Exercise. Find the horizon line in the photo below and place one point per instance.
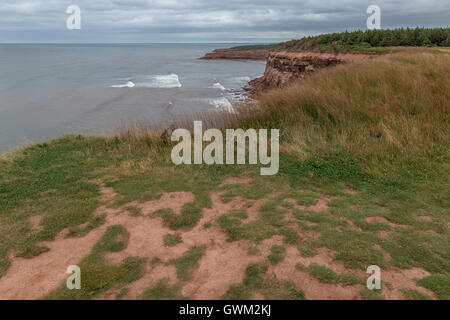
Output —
(218, 42)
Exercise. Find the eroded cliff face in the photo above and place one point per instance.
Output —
(285, 67)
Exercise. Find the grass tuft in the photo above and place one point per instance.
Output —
(277, 254)
(115, 239)
(162, 291)
(171, 240)
(186, 264)
(439, 284)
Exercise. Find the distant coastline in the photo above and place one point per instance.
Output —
(232, 54)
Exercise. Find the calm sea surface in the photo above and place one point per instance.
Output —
(50, 90)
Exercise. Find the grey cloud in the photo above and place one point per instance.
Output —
(205, 20)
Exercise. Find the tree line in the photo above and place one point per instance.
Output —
(374, 38)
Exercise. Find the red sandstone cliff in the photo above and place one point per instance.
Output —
(285, 67)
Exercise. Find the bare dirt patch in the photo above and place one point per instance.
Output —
(224, 262)
(33, 278)
(28, 279)
(152, 276)
(312, 287)
(320, 206)
(222, 266)
(383, 234)
(326, 257)
(107, 194)
(402, 279)
(35, 222)
(174, 201)
(351, 191)
(386, 254)
(352, 224)
(426, 218)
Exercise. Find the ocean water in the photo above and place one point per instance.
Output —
(50, 90)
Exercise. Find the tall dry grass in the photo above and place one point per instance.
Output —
(393, 107)
(146, 133)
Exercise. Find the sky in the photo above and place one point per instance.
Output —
(205, 21)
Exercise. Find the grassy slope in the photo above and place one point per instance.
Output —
(380, 128)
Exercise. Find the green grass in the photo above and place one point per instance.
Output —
(135, 212)
(367, 294)
(439, 284)
(254, 275)
(93, 223)
(155, 261)
(274, 289)
(115, 239)
(162, 291)
(186, 264)
(277, 254)
(254, 251)
(349, 279)
(238, 292)
(270, 287)
(171, 240)
(32, 251)
(323, 273)
(412, 294)
(253, 47)
(327, 275)
(240, 214)
(270, 223)
(307, 198)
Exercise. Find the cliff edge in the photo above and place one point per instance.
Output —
(284, 67)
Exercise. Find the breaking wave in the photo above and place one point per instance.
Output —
(162, 81)
(129, 84)
(158, 81)
(242, 79)
(222, 104)
(218, 86)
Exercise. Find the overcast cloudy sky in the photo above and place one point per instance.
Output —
(205, 20)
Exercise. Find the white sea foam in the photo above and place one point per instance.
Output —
(222, 104)
(242, 79)
(129, 84)
(158, 81)
(218, 86)
(162, 81)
